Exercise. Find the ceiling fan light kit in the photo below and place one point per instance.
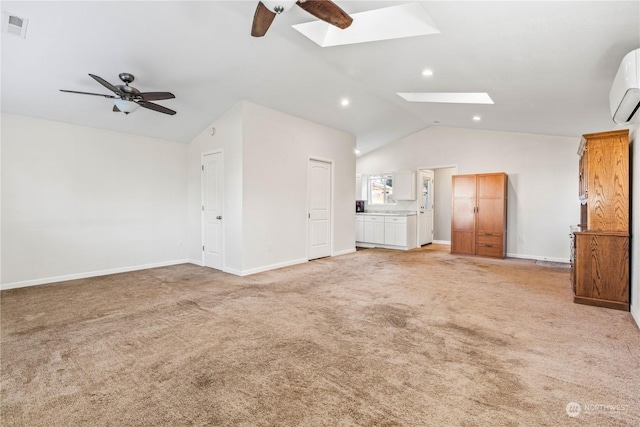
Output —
(279, 6)
(125, 106)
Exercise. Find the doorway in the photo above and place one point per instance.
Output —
(212, 203)
(440, 196)
(425, 208)
(319, 208)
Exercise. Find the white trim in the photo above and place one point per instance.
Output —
(264, 268)
(539, 258)
(635, 313)
(198, 262)
(432, 169)
(345, 252)
(440, 167)
(382, 246)
(88, 274)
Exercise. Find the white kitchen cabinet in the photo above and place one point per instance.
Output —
(360, 228)
(404, 185)
(374, 229)
(395, 230)
(361, 187)
(392, 231)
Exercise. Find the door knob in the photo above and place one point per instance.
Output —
(218, 217)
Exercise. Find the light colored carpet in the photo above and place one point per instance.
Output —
(373, 338)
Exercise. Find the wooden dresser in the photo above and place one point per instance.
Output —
(601, 262)
(479, 214)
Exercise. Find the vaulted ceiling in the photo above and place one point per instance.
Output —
(548, 66)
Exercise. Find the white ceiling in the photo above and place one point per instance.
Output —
(548, 66)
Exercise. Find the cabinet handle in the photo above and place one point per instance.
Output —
(488, 246)
(488, 234)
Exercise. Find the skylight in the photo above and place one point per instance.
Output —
(448, 97)
(395, 22)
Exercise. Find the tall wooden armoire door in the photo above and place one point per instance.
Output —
(463, 217)
(491, 214)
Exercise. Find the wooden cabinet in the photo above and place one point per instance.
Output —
(601, 261)
(604, 181)
(601, 268)
(479, 214)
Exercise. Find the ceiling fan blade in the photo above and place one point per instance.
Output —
(156, 107)
(328, 11)
(89, 93)
(262, 20)
(106, 84)
(155, 96)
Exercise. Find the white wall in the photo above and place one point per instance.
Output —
(542, 172)
(442, 204)
(266, 154)
(634, 137)
(79, 202)
(277, 148)
(228, 138)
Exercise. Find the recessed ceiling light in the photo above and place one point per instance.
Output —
(448, 97)
(427, 73)
(344, 102)
(355, 150)
(476, 118)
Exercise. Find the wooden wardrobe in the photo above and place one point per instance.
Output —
(600, 252)
(479, 214)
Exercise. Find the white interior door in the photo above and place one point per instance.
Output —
(319, 234)
(426, 207)
(212, 247)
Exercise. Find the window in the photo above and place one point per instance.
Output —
(381, 189)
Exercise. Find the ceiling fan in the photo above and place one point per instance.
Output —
(325, 10)
(128, 98)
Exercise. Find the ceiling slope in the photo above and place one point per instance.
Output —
(548, 66)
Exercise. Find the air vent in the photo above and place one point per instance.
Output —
(15, 25)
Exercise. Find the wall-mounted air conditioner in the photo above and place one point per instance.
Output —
(624, 98)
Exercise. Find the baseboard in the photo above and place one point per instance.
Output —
(348, 251)
(635, 313)
(47, 280)
(278, 265)
(379, 246)
(264, 268)
(539, 258)
(196, 262)
(442, 242)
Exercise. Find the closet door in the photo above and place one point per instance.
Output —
(491, 214)
(463, 217)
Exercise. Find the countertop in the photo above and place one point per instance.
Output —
(388, 213)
